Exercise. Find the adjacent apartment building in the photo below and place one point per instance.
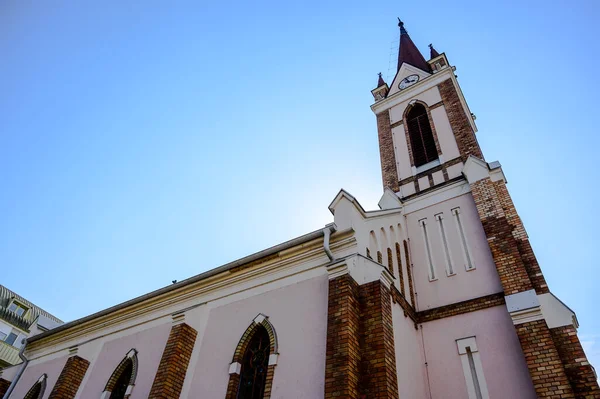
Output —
(19, 319)
(436, 294)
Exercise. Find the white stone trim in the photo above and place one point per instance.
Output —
(337, 270)
(527, 315)
(273, 357)
(259, 318)
(450, 270)
(472, 368)
(105, 395)
(428, 252)
(436, 196)
(462, 235)
(235, 368)
(522, 301)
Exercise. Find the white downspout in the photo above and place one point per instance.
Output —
(20, 372)
(326, 235)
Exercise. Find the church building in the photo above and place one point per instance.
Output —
(436, 294)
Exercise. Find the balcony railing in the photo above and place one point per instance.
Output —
(9, 353)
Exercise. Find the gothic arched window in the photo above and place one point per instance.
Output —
(122, 380)
(421, 136)
(120, 389)
(255, 363)
(37, 390)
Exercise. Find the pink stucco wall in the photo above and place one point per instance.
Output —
(410, 365)
(298, 313)
(502, 359)
(52, 368)
(149, 343)
(464, 285)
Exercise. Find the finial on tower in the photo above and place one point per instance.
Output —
(380, 81)
(432, 52)
(401, 25)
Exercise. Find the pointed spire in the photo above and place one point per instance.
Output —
(380, 81)
(408, 52)
(432, 52)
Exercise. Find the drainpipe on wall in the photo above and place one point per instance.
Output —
(20, 372)
(330, 228)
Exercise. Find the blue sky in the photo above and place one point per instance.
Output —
(148, 141)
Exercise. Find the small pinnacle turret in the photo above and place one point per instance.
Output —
(380, 81)
(433, 52)
(408, 52)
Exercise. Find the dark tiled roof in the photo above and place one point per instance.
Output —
(408, 52)
(433, 52)
(380, 81)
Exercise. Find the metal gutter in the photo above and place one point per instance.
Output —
(15, 380)
(228, 266)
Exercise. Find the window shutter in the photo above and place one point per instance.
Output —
(421, 136)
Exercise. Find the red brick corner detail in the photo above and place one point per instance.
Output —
(70, 378)
(173, 365)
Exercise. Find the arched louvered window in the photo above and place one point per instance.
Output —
(255, 363)
(421, 135)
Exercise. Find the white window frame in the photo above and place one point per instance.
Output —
(428, 253)
(466, 250)
(472, 368)
(450, 271)
(18, 305)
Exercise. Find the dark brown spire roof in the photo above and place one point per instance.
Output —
(408, 52)
(380, 81)
(432, 52)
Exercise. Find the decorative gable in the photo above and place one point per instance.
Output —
(405, 71)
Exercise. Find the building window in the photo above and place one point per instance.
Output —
(463, 240)
(12, 337)
(255, 363)
(122, 380)
(421, 136)
(447, 254)
(428, 254)
(38, 389)
(17, 308)
(472, 368)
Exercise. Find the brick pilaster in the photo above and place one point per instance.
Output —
(342, 355)
(522, 240)
(170, 375)
(463, 132)
(4, 384)
(386, 152)
(516, 265)
(579, 372)
(499, 232)
(545, 366)
(378, 378)
(70, 378)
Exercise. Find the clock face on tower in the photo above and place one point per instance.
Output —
(408, 81)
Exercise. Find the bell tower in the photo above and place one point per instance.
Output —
(426, 130)
(431, 160)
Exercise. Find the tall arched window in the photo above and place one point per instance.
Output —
(122, 380)
(37, 390)
(120, 389)
(255, 363)
(421, 135)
